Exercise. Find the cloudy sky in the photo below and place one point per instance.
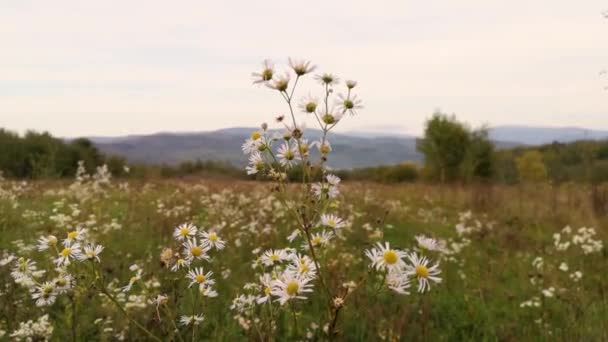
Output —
(123, 67)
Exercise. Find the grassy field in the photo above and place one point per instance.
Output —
(492, 288)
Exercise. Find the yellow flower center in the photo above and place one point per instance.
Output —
(72, 235)
(180, 261)
(61, 282)
(184, 231)
(304, 269)
(292, 288)
(133, 280)
(289, 155)
(52, 241)
(256, 135)
(200, 278)
(213, 237)
(274, 257)
(331, 223)
(422, 271)
(196, 251)
(65, 252)
(47, 289)
(390, 257)
(316, 240)
(267, 291)
(90, 253)
(324, 149)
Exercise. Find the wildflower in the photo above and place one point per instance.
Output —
(47, 242)
(287, 155)
(45, 294)
(211, 239)
(427, 243)
(383, 257)
(266, 74)
(180, 263)
(420, 268)
(266, 282)
(576, 276)
(134, 279)
(563, 267)
(25, 271)
(303, 266)
(309, 104)
(198, 276)
(73, 236)
(159, 300)
(549, 293)
(272, 256)
(256, 163)
(398, 282)
(301, 67)
(280, 83)
(68, 253)
(349, 103)
(193, 250)
(351, 84)
(330, 118)
(323, 146)
(319, 239)
(332, 221)
(327, 79)
(184, 231)
(296, 233)
(288, 287)
(91, 252)
(194, 320)
(63, 282)
(325, 190)
(207, 291)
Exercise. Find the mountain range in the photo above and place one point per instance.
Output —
(353, 149)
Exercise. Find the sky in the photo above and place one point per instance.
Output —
(84, 68)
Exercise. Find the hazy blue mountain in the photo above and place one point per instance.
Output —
(225, 145)
(529, 135)
(353, 149)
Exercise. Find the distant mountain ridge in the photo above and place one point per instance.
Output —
(353, 149)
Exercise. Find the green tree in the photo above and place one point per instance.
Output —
(530, 167)
(444, 145)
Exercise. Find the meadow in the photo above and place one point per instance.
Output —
(111, 259)
(494, 286)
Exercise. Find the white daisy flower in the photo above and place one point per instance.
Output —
(332, 221)
(46, 242)
(45, 294)
(349, 103)
(303, 266)
(266, 74)
(211, 239)
(295, 234)
(287, 155)
(289, 286)
(320, 239)
(256, 163)
(332, 179)
(383, 257)
(68, 253)
(180, 263)
(74, 236)
(25, 271)
(194, 250)
(327, 79)
(301, 67)
(308, 104)
(424, 273)
(91, 252)
(324, 147)
(207, 291)
(184, 231)
(188, 320)
(427, 243)
(274, 256)
(279, 82)
(350, 84)
(266, 282)
(199, 277)
(63, 282)
(134, 279)
(325, 190)
(398, 281)
(159, 300)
